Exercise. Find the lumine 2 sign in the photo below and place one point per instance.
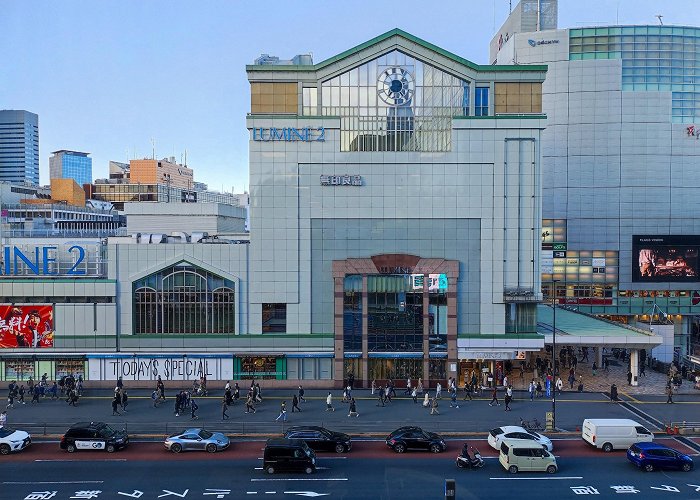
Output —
(42, 261)
(289, 134)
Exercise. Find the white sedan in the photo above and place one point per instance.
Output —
(11, 440)
(516, 432)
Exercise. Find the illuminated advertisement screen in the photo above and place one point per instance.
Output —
(665, 258)
(29, 326)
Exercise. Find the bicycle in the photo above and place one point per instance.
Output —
(531, 425)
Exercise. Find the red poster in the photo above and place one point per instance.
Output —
(26, 326)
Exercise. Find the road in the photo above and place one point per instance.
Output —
(369, 471)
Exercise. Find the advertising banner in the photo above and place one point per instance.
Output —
(665, 258)
(26, 326)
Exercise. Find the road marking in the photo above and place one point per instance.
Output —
(52, 482)
(270, 492)
(535, 478)
(324, 458)
(77, 460)
(251, 492)
(314, 479)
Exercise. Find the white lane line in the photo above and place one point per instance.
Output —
(302, 479)
(334, 458)
(52, 482)
(270, 492)
(535, 478)
(77, 460)
(251, 492)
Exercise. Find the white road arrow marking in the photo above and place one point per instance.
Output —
(306, 493)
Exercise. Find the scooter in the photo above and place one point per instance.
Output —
(464, 461)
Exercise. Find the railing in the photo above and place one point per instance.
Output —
(683, 427)
(64, 233)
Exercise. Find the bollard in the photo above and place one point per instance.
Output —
(450, 487)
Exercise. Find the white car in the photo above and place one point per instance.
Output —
(11, 440)
(516, 432)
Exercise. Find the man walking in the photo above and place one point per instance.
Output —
(434, 407)
(467, 390)
(224, 409)
(249, 404)
(509, 397)
(353, 409)
(301, 395)
(438, 391)
(494, 397)
(115, 404)
(283, 412)
(295, 404)
(193, 410)
(381, 395)
(669, 392)
(531, 389)
(329, 402)
(453, 398)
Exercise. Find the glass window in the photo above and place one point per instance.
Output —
(396, 369)
(259, 367)
(274, 318)
(395, 314)
(352, 313)
(481, 101)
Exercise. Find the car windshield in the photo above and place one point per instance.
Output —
(533, 434)
(205, 434)
(4, 432)
(496, 432)
(107, 431)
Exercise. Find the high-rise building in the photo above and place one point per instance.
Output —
(165, 171)
(19, 146)
(65, 164)
(620, 159)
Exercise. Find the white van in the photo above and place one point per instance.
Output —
(524, 455)
(614, 433)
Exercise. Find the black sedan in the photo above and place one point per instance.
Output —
(320, 438)
(415, 438)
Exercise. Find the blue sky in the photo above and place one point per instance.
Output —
(107, 76)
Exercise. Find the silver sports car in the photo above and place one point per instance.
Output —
(197, 439)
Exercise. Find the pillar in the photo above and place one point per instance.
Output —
(426, 336)
(599, 357)
(634, 366)
(364, 361)
(339, 355)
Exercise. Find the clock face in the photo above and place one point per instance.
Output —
(395, 86)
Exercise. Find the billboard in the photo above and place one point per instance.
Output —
(26, 326)
(665, 258)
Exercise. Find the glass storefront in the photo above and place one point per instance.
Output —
(354, 366)
(437, 369)
(260, 367)
(19, 369)
(352, 313)
(437, 316)
(65, 367)
(395, 314)
(395, 368)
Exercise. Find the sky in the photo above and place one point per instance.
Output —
(112, 77)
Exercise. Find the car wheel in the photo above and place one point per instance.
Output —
(70, 448)
(110, 448)
(399, 448)
(435, 448)
(176, 448)
(270, 470)
(309, 470)
(648, 467)
(211, 448)
(607, 447)
(685, 468)
(4, 449)
(339, 448)
(551, 469)
(513, 469)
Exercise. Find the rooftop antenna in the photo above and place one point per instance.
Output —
(153, 148)
(660, 18)
(185, 157)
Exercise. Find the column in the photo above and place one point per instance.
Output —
(426, 334)
(634, 366)
(364, 361)
(599, 357)
(339, 359)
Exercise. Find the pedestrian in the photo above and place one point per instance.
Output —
(387, 395)
(613, 394)
(236, 392)
(414, 395)
(419, 387)
(10, 399)
(21, 395)
(283, 412)
(346, 395)
(72, 397)
(438, 391)
(250, 403)
(295, 404)
(594, 368)
(408, 386)
(669, 392)
(301, 396)
(35, 394)
(538, 389)
(642, 370)
(467, 390)
(178, 403)
(629, 377)
(426, 400)
(228, 395)
(606, 364)
(329, 402)
(453, 398)
(3, 419)
(531, 389)
(353, 409)
(381, 396)
(115, 405)
(392, 389)
(505, 381)
(193, 409)
(434, 407)
(374, 386)
(560, 385)
(494, 396)
(351, 381)
(508, 397)
(572, 379)
(125, 400)
(224, 409)
(580, 383)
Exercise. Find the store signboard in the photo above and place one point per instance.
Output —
(70, 260)
(26, 326)
(487, 354)
(289, 134)
(436, 282)
(150, 367)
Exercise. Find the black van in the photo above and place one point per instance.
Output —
(288, 455)
(93, 436)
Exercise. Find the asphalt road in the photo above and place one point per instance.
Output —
(53, 417)
(369, 471)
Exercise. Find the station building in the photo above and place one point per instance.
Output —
(395, 232)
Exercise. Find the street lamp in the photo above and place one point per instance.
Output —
(554, 353)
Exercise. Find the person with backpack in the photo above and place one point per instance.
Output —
(193, 409)
(329, 402)
(353, 409)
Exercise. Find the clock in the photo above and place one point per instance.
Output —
(395, 86)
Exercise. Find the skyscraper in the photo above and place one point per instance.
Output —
(19, 146)
(74, 165)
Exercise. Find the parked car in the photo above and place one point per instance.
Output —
(288, 455)
(12, 440)
(518, 455)
(650, 456)
(93, 436)
(197, 439)
(320, 438)
(609, 434)
(516, 432)
(415, 438)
